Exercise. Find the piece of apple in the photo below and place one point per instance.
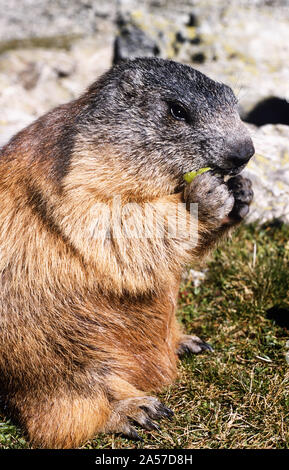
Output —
(191, 175)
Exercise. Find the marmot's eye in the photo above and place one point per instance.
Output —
(179, 112)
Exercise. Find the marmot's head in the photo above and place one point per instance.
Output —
(153, 120)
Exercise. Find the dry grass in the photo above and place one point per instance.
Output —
(237, 397)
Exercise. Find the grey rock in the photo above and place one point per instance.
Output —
(269, 171)
(33, 81)
(38, 18)
(132, 42)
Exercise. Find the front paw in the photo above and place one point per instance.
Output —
(214, 198)
(241, 189)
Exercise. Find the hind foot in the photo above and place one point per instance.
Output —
(192, 345)
(140, 411)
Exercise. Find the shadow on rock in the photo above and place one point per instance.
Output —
(272, 110)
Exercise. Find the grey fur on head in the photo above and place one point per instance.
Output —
(135, 100)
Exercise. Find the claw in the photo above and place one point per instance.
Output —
(161, 411)
(207, 347)
(150, 425)
(165, 411)
(132, 434)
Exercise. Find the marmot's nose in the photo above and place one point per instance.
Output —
(241, 152)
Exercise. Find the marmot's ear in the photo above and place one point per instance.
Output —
(130, 80)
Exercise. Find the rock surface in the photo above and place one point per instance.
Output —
(269, 171)
(21, 19)
(242, 43)
(32, 81)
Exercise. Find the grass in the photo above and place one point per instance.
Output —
(238, 396)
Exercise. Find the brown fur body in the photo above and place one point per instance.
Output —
(87, 324)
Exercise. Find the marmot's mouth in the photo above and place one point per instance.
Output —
(227, 172)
